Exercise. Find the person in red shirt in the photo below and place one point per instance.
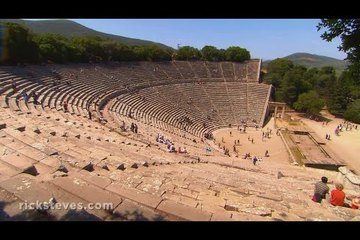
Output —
(337, 195)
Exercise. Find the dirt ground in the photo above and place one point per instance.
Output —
(346, 145)
(274, 144)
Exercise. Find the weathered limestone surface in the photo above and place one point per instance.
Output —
(51, 154)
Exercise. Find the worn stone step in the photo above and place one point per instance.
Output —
(20, 162)
(183, 212)
(181, 199)
(33, 153)
(49, 151)
(26, 188)
(93, 178)
(130, 211)
(86, 191)
(7, 171)
(10, 206)
(143, 198)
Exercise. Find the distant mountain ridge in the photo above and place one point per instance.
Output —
(69, 28)
(312, 60)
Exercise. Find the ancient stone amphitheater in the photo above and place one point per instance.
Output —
(48, 153)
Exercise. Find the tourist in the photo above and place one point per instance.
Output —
(255, 160)
(321, 189)
(182, 150)
(122, 127)
(14, 87)
(208, 150)
(102, 120)
(65, 106)
(172, 148)
(25, 96)
(337, 197)
(90, 116)
(267, 153)
(35, 98)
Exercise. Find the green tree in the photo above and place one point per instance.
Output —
(353, 112)
(276, 70)
(210, 53)
(347, 78)
(236, 54)
(312, 76)
(309, 102)
(152, 53)
(187, 53)
(222, 54)
(280, 66)
(349, 32)
(122, 52)
(323, 81)
(293, 84)
(156, 53)
(18, 44)
(90, 48)
(55, 48)
(338, 99)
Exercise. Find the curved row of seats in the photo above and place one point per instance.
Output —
(69, 158)
(48, 153)
(92, 86)
(203, 104)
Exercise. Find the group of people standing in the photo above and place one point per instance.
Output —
(134, 128)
